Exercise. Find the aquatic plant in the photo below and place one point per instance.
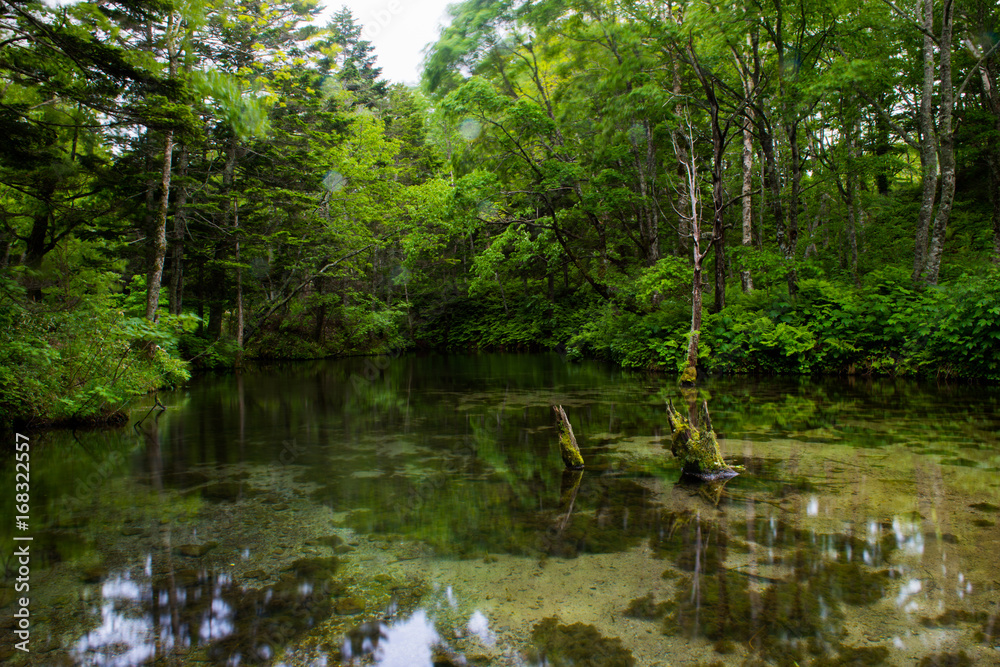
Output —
(960, 659)
(578, 645)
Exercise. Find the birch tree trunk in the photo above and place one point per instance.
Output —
(928, 147)
(158, 237)
(692, 218)
(946, 146)
(158, 234)
(746, 198)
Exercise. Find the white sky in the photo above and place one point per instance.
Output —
(398, 29)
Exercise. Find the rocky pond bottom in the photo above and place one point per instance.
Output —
(420, 515)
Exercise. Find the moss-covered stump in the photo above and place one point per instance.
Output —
(570, 451)
(697, 449)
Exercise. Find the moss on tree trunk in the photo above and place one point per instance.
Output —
(567, 441)
(697, 448)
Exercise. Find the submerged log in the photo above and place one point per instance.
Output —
(697, 449)
(570, 451)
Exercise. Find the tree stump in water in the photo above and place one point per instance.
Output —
(698, 450)
(570, 451)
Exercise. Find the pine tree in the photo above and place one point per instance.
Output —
(355, 61)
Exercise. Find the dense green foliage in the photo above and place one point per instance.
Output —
(208, 180)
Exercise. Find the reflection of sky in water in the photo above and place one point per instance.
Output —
(410, 642)
(909, 536)
(130, 633)
(128, 636)
(906, 591)
(479, 626)
(133, 633)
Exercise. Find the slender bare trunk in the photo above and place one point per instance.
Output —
(692, 217)
(718, 207)
(158, 235)
(928, 147)
(946, 147)
(718, 204)
(239, 284)
(177, 237)
(746, 193)
(792, 130)
(680, 148)
(995, 198)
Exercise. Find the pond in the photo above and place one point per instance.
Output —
(415, 511)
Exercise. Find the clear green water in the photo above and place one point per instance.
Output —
(414, 511)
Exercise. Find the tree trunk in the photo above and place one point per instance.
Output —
(697, 448)
(718, 206)
(946, 147)
(320, 286)
(770, 169)
(792, 129)
(984, 15)
(239, 285)
(882, 148)
(690, 165)
(680, 148)
(568, 448)
(746, 198)
(177, 237)
(995, 197)
(928, 148)
(158, 234)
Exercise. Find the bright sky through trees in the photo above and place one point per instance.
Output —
(399, 31)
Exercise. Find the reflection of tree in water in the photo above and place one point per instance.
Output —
(794, 612)
(188, 608)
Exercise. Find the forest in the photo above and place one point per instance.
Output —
(752, 187)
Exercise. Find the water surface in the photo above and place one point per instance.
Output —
(414, 511)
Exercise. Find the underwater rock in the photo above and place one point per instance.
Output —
(645, 608)
(951, 617)
(226, 491)
(855, 657)
(187, 577)
(332, 541)
(314, 568)
(349, 606)
(578, 645)
(985, 507)
(196, 550)
(960, 659)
